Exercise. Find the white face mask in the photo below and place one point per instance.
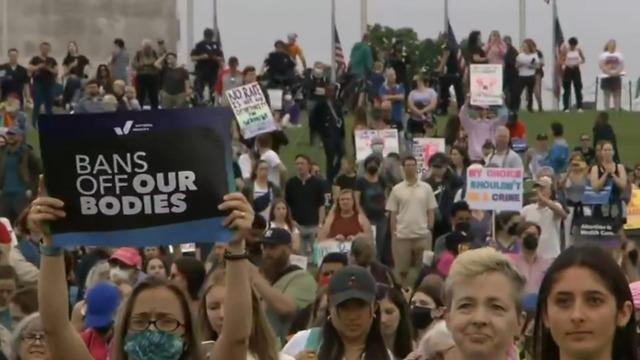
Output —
(288, 98)
(118, 274)
(377, 148)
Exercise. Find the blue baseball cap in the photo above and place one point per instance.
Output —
(102, 301)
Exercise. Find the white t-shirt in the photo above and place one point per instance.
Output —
(614, 60)
(273, 160)
(244, 161)
(260, 191)
(527, 64)
(422, 97)
(573, 58)
(549, 244)
(298, 342)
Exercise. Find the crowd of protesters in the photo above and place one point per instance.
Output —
(426, 276)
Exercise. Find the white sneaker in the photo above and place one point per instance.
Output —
(580, 110)
(567, 110)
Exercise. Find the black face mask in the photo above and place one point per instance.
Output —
(530, 242)
(372, 169)
(464, 227)
(420, 317)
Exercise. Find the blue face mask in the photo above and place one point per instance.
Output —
(153, 345)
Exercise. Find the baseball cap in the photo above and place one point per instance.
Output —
(102, 301)
(544, 181)
(351, 282)
(128, 256)
(277, 236)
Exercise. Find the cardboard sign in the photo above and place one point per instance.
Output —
(138, 178)
(322, 248)
(486, 85)
(498, 189)
(633, 211)
(368, 140)
(423, 149)
(251, 109)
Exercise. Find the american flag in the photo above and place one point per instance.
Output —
(558, 48)
(338, 54)
(453, 46)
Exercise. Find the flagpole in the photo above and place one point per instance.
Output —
(364, 17)
(446, 16)
(215, 15)
(522, 15)
(333, 41)
(554, 33)
(5, 27)
(189, 25)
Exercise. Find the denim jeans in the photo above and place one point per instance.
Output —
(42, 94)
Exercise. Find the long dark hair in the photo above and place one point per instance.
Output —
(402, 345)
(332, 347)
(473, 41)
(452, 129)
(466, 160)
(272, 213)
(601, 263)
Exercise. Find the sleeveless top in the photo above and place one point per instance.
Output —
(349, 226)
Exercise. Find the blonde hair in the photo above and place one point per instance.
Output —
(473, 263)
(262, 340)
(436, 340)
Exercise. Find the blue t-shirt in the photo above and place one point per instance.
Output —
(12, 182)
(397, 106)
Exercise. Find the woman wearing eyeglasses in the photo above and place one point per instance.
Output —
(155, 321)
(29, 340)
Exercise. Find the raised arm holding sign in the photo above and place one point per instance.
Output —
(138, 178)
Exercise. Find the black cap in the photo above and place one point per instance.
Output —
(351, 282)
(277, 236)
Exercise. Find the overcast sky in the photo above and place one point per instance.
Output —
(250, 27)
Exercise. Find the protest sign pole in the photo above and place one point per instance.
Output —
(493, 225)
(446, 16)
(215, 15)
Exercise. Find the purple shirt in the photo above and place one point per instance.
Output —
(479, 130)
(533, 272)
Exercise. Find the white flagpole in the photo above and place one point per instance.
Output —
(190, 29)
(5, 28)
(333, 41)
(446, 16)
(522, 20)
(215, 14)
(364, 16)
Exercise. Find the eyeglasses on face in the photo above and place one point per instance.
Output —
(140, 323)
(34, 337)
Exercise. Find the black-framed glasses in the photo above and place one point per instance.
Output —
(163, 324)
(34, 337)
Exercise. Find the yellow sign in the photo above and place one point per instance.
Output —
(633, 211)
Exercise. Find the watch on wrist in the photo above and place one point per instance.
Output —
(229, 256)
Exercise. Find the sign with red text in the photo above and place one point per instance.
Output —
(495, 189)
(423, 150)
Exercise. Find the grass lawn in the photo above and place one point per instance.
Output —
(625, 124)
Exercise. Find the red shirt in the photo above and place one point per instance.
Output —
(517, 129)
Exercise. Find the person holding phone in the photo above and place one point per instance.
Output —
(527, 63)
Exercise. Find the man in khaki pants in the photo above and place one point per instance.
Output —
(412, 204)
